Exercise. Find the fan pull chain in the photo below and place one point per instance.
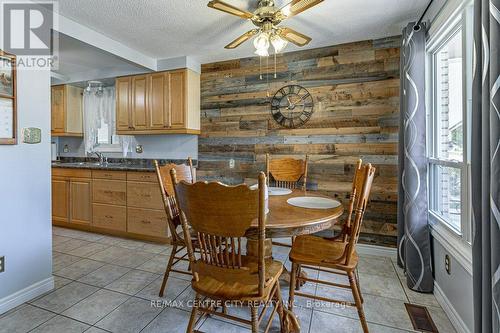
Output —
(267, 76)
(275, 65)
(260, 67)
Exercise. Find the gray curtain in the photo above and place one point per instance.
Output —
(414, 252)
(485, 166)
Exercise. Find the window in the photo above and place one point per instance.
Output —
(449, 90)
(106, 140)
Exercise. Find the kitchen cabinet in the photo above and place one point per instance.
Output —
(112, 192)
(159, 117)
(80, 201)
(71, 196)
(60, 200)
(122, 203)
(123, 87)
(66, 111)
(110, 217)
(140, 103)
(159, 103)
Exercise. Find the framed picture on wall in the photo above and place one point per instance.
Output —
(8, 113)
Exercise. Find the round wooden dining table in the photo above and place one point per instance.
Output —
(285, 220)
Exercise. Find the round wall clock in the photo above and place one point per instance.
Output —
(292, 106)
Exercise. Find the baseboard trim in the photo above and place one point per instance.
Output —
(450, 311)
(376, 250)
(26, 294)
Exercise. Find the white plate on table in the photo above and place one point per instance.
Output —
(274, 190)
(313, 202)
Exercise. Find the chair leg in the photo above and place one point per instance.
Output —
(293, 282)
(167, 270)
(192, 319)
(279, 301)
(255, 317)
(298, 282)
(359, 288)
(357, 300)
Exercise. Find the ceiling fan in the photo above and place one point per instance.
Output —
(267, 17)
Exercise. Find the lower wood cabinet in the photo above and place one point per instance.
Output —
(80, 201)
(113, 192)
(115, 202)
(60, 200)
(110, 217)
(144, 195)
(146, 221)
(71, 196)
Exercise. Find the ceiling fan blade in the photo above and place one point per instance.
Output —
(294, 37)
(297, 6)
(243, 38)
(227, 8)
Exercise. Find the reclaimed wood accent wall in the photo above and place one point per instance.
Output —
(355, 88)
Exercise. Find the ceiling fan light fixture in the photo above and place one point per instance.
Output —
(262, 52)
(278, 43)
(261, 42)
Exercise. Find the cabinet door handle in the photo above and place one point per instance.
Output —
(146, 221)
(146, 195)
(108, 216)
(107, 192)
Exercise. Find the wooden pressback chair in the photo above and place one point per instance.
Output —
(338, 253)
(186, 173)
(287, 172)
(221, 217)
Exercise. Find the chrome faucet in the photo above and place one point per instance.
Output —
(100, 156)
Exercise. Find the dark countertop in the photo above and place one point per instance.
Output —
(113, 164)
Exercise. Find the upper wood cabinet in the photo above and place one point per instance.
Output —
(159, 117)
(67, 111)
(123, 104)
(140, 102)
(159, 103)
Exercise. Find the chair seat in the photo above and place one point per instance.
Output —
(233, 290)
(318, 251)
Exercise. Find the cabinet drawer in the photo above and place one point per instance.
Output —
(103, 174)
(147, 222)
(142, 177)
(109, 217)
(144, 195)
(68, 172)
(109, 192)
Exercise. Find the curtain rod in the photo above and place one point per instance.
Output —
(416, 27)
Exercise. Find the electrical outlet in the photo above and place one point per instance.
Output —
(447, 264)
(2, 264)
(231, 163)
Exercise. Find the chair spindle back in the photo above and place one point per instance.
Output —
(362, 184)
(221, 215)
(184, 172)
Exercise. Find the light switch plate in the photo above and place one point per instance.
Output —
(32, 135)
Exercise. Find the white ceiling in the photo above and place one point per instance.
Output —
(79, 61)
(172, 28)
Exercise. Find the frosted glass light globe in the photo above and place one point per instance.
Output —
(279, 43)
(261, 41)
(262, 52)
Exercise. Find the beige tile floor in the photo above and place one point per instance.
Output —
(107, 284)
